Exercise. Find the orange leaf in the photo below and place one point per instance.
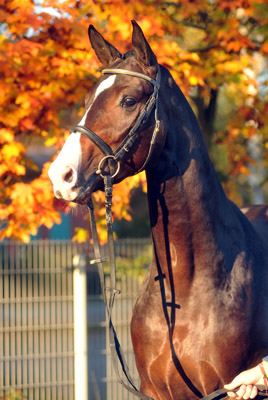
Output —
(26, 124)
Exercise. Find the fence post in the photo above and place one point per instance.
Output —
(80, 327)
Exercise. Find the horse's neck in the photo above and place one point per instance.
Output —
(186, 201)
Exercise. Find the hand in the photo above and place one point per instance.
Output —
(246, 380)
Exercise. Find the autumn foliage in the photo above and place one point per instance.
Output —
(216, 50)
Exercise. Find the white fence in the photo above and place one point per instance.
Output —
(37, 323)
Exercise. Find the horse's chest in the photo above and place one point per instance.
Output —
(167, 329)
(179, 340)
(180, 328)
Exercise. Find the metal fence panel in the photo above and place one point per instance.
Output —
(36, 310)
(133, 256)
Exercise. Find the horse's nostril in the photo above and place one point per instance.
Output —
(68, 176)
(58, 194)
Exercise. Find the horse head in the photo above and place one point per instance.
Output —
(119, 132)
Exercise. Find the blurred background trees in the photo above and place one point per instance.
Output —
(216, 50)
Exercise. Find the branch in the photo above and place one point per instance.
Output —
(192, 25)
(204, 49)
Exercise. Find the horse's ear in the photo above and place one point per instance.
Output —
(141, 46)
(105, 52)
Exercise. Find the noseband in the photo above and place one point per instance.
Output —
(116, 156)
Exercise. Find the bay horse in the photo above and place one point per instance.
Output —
(202, 313)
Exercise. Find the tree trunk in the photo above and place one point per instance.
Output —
(206, 115)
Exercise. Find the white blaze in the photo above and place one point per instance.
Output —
(68, 160)
(106, 84)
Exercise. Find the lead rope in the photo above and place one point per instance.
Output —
(116, 350)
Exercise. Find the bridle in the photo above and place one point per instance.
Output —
(114, 158)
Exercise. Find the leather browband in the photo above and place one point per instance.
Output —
(131, 73)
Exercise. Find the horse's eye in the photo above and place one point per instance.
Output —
(128, 102)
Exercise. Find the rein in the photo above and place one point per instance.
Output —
(109, 293)
(116, 350)
(221, 394)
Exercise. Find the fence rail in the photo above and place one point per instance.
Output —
(36, 313)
